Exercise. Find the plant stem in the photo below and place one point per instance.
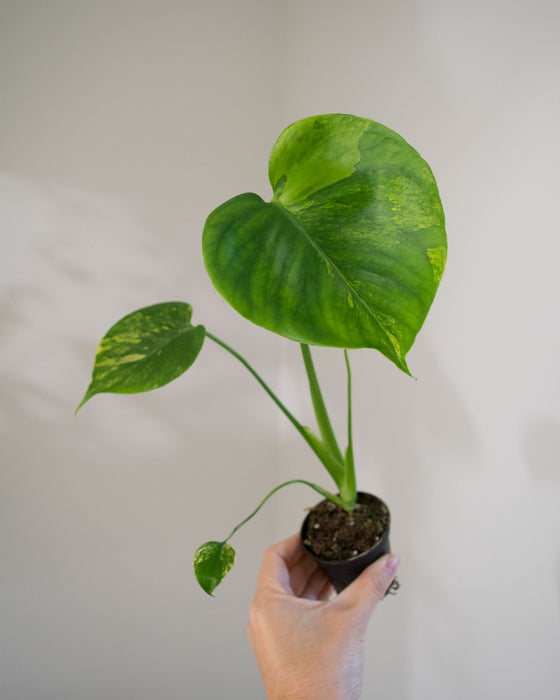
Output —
(319, 489)
(319, 407)
(333, 465)
(348, 489)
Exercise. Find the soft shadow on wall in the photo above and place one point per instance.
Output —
(97, 533)
(540, 449)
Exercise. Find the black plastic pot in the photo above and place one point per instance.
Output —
(342, 573)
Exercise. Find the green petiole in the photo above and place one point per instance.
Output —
(333, 463)
(326, 448)
(323, 492)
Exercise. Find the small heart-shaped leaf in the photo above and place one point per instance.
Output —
(212, 563)
(145, 350)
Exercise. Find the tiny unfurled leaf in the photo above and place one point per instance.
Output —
(350, 251)
(145, 350)
(212, 563)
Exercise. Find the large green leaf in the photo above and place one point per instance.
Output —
(145, 350)
(212, 563)
(351, 249)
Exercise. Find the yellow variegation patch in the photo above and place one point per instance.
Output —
(145, 350)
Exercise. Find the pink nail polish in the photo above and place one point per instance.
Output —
(392, 562)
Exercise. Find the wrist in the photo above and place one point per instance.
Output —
(309, 689)
(301, 694)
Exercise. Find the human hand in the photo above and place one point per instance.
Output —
(309, 643)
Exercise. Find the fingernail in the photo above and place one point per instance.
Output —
(392, 562)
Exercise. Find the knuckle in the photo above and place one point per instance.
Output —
(256, 611)
(379, 583)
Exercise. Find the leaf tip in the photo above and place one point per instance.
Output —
(87, 397)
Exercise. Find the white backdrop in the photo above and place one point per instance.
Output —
(123, 124)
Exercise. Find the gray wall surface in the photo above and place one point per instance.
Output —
(123, 124)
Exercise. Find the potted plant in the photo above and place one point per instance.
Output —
(349, 253)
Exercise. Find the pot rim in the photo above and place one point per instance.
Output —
(334, 563)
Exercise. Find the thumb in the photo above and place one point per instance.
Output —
(370, 587)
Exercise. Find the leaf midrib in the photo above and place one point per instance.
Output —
(329, 262)
(156, 348)
(129, 368)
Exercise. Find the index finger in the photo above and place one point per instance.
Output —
(290, 550)
(279, 559)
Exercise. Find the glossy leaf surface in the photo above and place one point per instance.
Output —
(146, 350)
(212, 563)
(351, 249)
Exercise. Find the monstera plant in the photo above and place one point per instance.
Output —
(348, 253)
